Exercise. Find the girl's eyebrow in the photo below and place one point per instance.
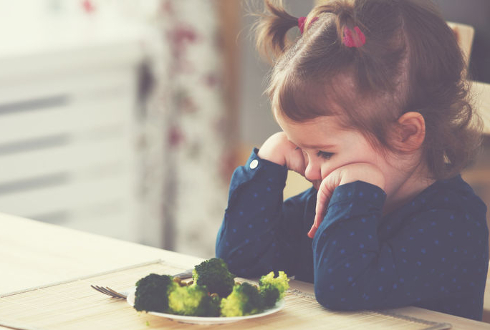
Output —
(316, 146)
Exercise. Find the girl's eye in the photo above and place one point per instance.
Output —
(324, 154)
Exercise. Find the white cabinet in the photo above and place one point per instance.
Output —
(67, 144)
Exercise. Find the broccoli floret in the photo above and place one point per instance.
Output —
(152, 293)
(193, 300)
(245, 299)
(272, 288)
(270, 295)
(214, 274)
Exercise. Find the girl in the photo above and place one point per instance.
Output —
(372, 104)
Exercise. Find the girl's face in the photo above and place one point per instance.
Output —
(326, 147)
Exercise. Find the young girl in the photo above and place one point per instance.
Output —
(372, 104)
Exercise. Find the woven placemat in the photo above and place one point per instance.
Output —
(75, 305)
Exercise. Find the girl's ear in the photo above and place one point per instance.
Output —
(410, 132)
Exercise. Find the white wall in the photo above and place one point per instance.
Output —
(256, 120)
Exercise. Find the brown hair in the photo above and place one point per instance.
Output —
(410, 62)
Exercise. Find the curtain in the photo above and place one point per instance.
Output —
(185, 138)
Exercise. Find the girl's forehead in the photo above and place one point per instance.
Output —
(302, 100)
(314, 131)
(320, 122)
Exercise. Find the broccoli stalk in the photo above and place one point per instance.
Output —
(244, 300)
(193, 300)
(152, 293)
(214, 274)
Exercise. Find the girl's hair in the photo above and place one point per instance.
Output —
(410, 61)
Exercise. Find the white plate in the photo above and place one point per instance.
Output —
(208, 320)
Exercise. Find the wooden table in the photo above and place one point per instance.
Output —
(35, 254)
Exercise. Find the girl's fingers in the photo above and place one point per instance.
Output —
(295, 161)
(323, 198)
(324, 194)
(312, 231)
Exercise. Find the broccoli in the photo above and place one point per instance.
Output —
(245, 299)
(270, 295)
(213, 292)
(193, 300)
(272, 288)
(214, 274)
(152, 293)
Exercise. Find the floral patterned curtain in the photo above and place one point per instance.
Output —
(185, 131)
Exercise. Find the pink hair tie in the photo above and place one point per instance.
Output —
(350, 41)
(301, 23)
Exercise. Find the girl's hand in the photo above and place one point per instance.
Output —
(278, 149)
(342, 175)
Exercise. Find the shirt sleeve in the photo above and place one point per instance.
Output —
(258, 232)
(427, 257)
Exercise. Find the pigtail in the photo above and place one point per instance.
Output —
(352, 42)
(349, 30)
(271, 30)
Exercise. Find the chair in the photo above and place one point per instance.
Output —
(464, 34)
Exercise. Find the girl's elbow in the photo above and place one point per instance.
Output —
(327, 295)
(331, 303)
(337, 303)
(336, 297)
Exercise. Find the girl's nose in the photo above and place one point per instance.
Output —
(312, 172)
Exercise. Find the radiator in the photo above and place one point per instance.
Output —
(67, 150)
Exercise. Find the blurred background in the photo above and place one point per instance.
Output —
(126, 118)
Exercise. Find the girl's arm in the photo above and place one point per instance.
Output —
(259, 232)
(435, 252)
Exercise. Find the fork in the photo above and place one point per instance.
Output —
(123, 295)
(110, 292)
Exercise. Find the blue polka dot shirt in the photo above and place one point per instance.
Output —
(431, 252)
